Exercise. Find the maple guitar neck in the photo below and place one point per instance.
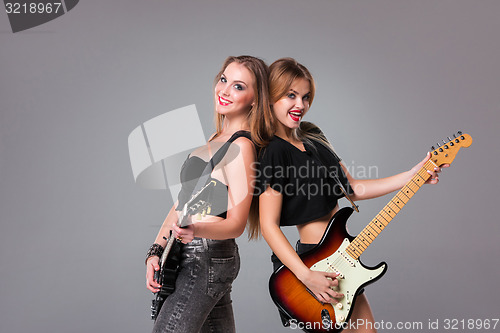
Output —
(444, 154)
(382, 219)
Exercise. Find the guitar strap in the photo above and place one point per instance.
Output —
(335, 176)
(218, 156)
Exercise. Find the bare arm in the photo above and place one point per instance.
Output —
(166, 226)
(152, 263)
(240, 181)
(270, 205)
(373, 188)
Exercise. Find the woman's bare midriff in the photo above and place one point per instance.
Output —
(311, 232)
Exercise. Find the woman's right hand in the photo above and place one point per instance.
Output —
(152, 265)
(321, 284)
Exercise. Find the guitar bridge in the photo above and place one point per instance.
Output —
(326, 320)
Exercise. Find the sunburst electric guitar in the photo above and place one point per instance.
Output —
(339, 252)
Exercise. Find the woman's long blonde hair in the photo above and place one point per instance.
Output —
(282, 73)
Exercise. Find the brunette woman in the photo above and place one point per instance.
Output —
(294, 191)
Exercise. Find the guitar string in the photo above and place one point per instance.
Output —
(340, 262)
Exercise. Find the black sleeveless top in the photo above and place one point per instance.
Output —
(306, 179)
(192, 170)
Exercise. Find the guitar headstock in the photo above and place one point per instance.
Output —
(200, 207)
(446, 152)
(200, 203)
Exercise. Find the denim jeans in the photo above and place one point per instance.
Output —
(201, 301)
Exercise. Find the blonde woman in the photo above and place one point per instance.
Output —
(210, 262)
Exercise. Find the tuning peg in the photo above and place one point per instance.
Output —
(449, 139)
(459, 132)
(438, 144)
(433, 148)
(454, 136)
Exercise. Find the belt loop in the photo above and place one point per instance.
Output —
(205, 243)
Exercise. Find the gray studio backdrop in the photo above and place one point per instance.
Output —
(393, 78)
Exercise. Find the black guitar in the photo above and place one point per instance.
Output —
(169, 261)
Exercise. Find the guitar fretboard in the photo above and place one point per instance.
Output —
(382, 219)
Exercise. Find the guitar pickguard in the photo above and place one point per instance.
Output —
(352, 275)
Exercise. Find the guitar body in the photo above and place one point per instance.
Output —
(295, 301)
(166, 276)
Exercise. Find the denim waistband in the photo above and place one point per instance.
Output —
(204, 244)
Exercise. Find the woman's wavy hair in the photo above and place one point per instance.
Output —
(282, 73)
(260, 117)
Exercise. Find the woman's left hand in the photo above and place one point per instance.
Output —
(434, 179)
(185, 235)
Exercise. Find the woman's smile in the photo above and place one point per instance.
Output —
(223, 101)
(296, 115)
